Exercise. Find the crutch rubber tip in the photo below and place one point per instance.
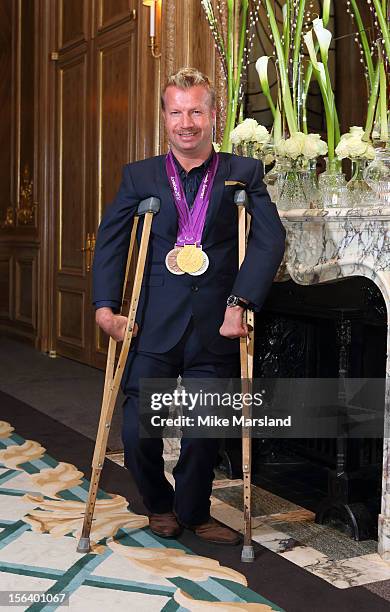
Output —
(84, 545)
(247, 554)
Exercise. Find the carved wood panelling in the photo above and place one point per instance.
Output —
(73, 22)
(6, 286)
(114, 12)
(27, 88)
(25, 290)
(71, 305)
(72, 126)
(5, 105)
(116, 116)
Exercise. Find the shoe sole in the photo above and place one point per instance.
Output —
(163, 535)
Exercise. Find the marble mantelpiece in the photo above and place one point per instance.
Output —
(327, 245)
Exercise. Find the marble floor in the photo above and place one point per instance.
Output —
(290, 531)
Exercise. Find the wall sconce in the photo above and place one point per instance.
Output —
(152, 27)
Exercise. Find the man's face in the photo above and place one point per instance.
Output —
(189, 119)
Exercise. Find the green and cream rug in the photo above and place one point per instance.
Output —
(42, 502)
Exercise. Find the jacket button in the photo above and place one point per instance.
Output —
(194, 288)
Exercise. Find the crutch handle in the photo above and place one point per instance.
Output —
(151, 204)
(241, 198)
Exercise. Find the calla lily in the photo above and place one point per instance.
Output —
(262, 71)
(308, 38)
(324, 38)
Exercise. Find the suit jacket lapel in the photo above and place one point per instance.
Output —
(216, 194)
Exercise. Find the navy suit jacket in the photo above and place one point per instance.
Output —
(168, 301)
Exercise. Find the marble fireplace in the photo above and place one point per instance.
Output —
(334, 244)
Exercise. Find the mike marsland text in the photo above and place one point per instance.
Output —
(216, 421)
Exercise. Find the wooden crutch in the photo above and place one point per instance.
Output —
(147, 208)
(246, 360)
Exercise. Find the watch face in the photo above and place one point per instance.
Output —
(232, 300)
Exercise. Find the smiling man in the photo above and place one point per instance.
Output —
(190, 313)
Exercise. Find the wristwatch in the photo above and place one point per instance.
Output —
(233, 300)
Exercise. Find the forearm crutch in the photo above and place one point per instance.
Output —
(147, 208)
(246, 360)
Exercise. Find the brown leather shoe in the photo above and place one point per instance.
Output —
(214, 532)
(164, 525)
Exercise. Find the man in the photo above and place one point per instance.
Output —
(190, 313)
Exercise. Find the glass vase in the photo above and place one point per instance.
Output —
(293, 186)
(360, 192)
(377, 175)
(271, 178)
(333, 186)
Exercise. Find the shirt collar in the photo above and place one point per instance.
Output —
(202, 168)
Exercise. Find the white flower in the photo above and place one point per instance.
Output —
(262, 70)
(324, 38)
(314, 146)
(342, 149)
(249, 131)
(356, 131)
(308, 38)
(217, 147)
(294, 145)
(351, 145)
(262, 134)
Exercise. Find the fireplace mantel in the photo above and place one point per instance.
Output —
(328, 245)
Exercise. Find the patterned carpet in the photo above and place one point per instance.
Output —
(43, 486)
(41, 509)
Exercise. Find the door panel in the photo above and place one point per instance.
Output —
(110, 13)
(72, 27)
(72, 185)
(95, 135)
(115, 133)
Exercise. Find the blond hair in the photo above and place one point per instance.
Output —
(186, 78)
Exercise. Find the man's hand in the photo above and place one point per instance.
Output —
(112, 324)
(233, 325)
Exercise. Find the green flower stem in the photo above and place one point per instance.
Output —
(332, 102)
(309, 69)
(382, 19)
(329, 115)
(364, 41)
(383, 103)
(297, 49)
(285, 89)
(372, 103)
(286, 31)
(234, 59)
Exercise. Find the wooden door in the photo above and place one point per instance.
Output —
(115, 119)
(94, 136)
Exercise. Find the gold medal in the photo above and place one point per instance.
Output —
(204, 266)
(171, 261)
(190, 259)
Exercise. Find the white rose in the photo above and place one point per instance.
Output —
(370, 152)
(247, 129)
(313, 146)
(262, 134)
(342, 150)
(294, 145)
(356, 131)
(356, 147)
(280, 148)
(235, 137)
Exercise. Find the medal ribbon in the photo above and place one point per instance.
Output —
(191, 222)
